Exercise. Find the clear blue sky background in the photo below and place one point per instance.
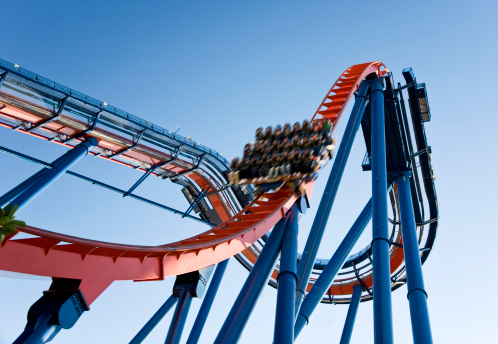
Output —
(219, 69)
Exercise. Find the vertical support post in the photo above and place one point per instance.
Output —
(200, 320)
(47, 178)
(258, 277)
(322, 215)
(152, 323)
(351, 317)
(287, 279)
(179, 318)
(383, 331)
(417, 296)
(328, 274)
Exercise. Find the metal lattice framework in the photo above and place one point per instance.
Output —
(239, 221)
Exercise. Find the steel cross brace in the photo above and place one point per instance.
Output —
(51, 119)
(189, 170)
(197, 200)
(150, 170)
(86, 131)
(124, 150)
(363, 285)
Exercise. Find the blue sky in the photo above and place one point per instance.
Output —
(219, 70)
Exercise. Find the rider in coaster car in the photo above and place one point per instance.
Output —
(276, 162)
(247, 150)
(295, 142)
(305, 128)
(274, 147)
(277, 133)
(283, 145)
(315, 143)
(234, 167)
(265, 145)
(255, 166)
(265, 167)
(326, 125)
(268, 134)
(243, 168)
(259, 134)
(285, 168)
(256, 150)
(296, 129)
(286, 131)
(234, 163)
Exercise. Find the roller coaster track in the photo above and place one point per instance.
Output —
(97, 264)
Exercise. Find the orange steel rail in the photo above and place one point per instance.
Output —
(98, 264)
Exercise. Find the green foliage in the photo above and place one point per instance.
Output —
(8, 222)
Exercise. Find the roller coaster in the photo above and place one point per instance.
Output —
(252, 227)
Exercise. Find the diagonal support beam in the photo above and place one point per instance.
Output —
(316, 233)
(149, 171)
(196, 201)
(134, 144)
(103, 185)
(328, 274)
(51, 119)
(189, 170)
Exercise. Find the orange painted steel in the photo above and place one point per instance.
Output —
(98, 264)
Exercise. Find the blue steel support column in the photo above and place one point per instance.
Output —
(258, 277)
(351, 317)
(417, 297)
(152, 323)
(383, 330)
(179, 318)
(328, 274)
(200, 320)
(50, 176)
(322, 215)
(286, 295)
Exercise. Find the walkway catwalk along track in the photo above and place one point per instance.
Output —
(37, 106)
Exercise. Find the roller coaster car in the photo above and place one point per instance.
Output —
(293, 178)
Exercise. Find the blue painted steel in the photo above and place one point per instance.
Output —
(49, 177)
(55, 310)
(383, 331)
(333, 266)
(200, 320)
(103, 185)
(350, 318)
(62, 104)
(38, 82)
(417, 297)
(16, 191)
(140, 180)
(311, 248)
(287, 279)
(179, 318)
(152, 323)
(196, 201)
(258, 277)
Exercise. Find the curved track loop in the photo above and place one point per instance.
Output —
(332, 107)
(98, 264)
(57, 255)
(141, 157)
